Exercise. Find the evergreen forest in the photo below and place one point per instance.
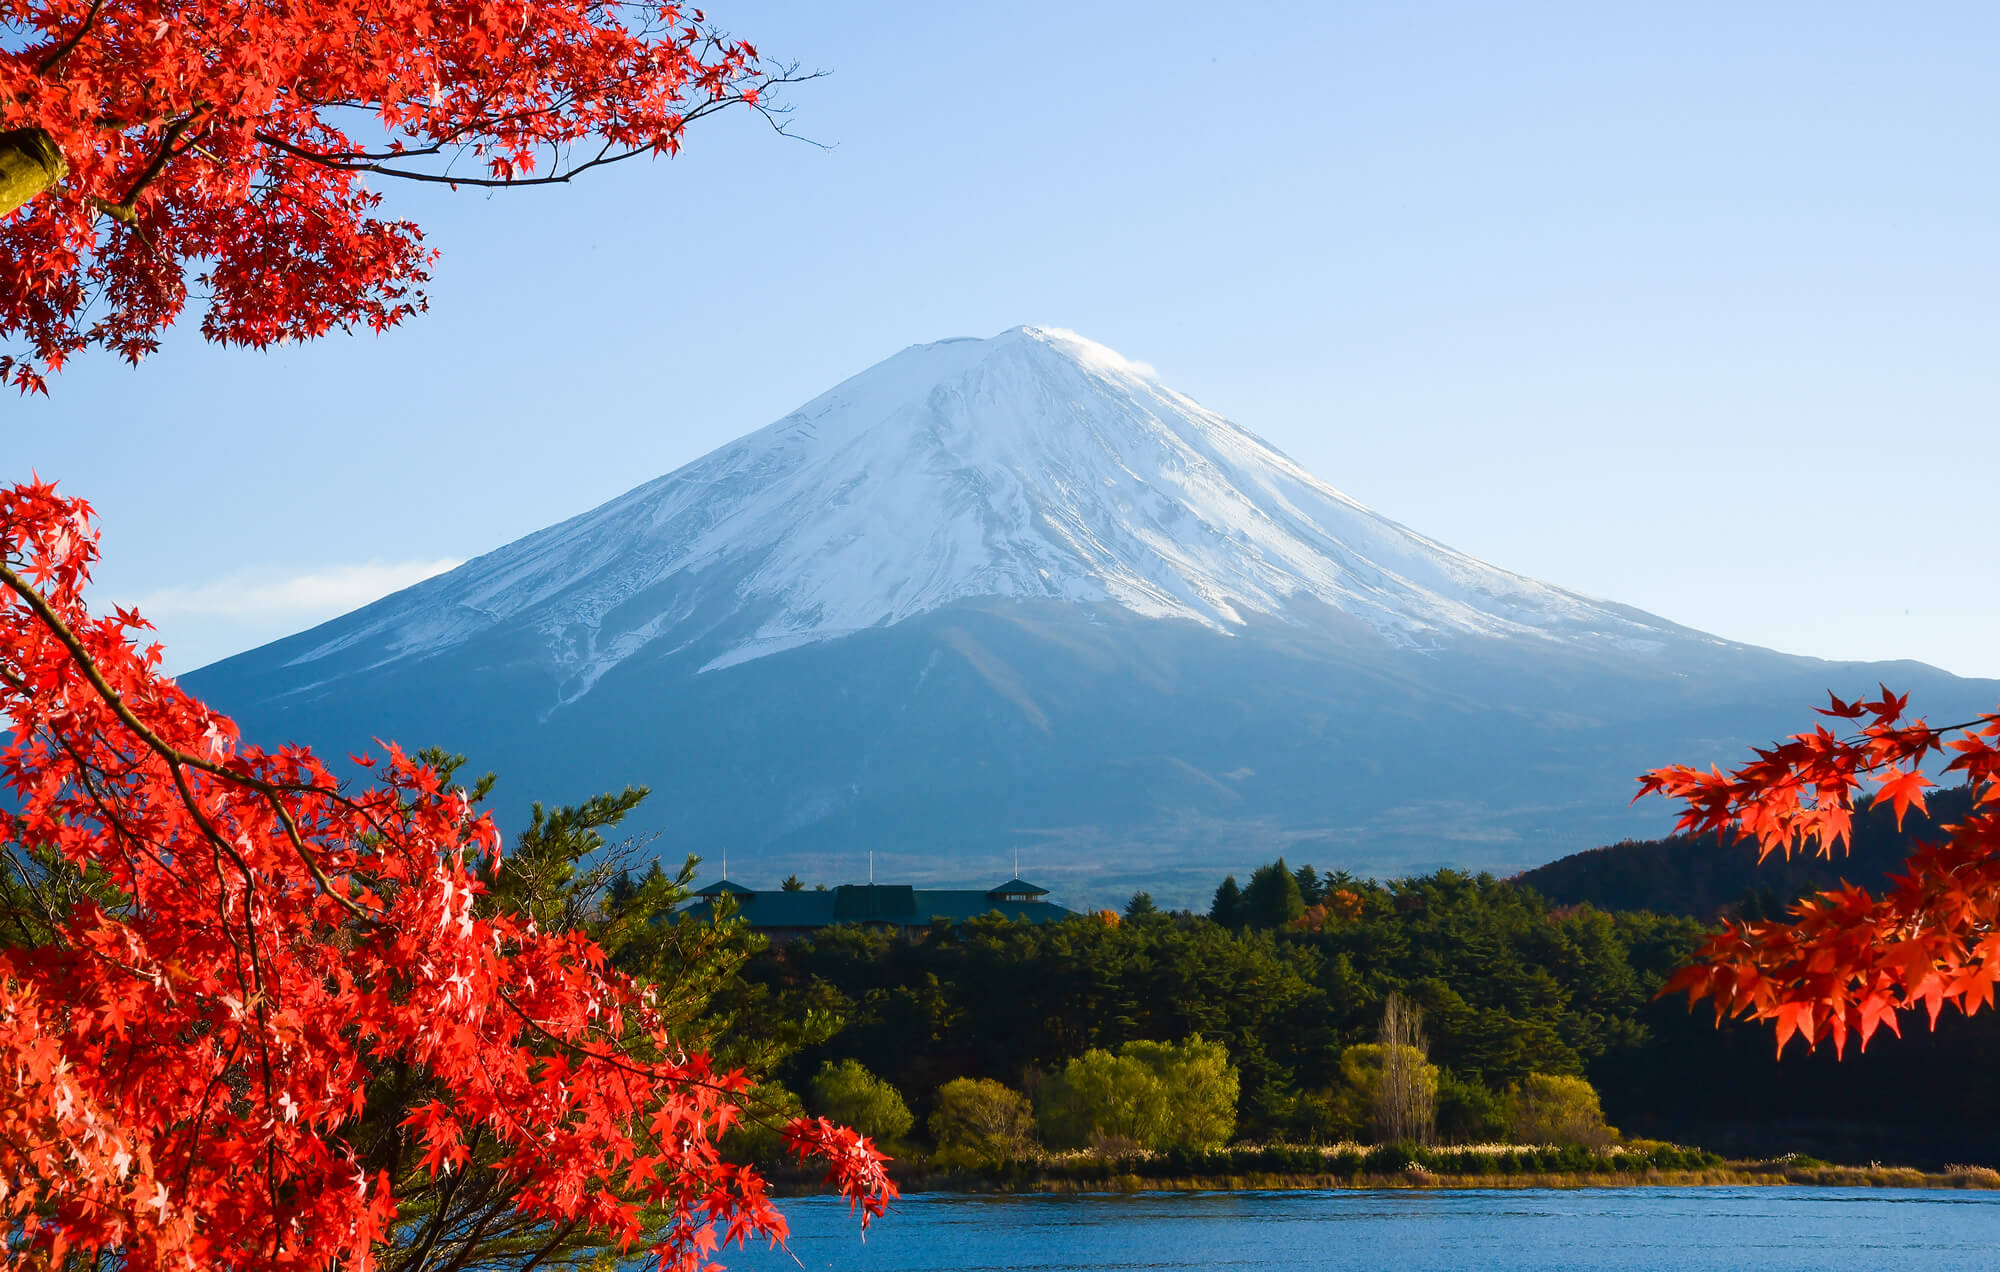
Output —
(1291, 971)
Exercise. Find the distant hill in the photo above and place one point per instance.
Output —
(1708, 878)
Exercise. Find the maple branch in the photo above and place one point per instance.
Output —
(1941, 730)
(378, 162)
(125, 209)
(175, 757)
(193, 1127)
(469, 1243)
(555, 1243)
(615, 1062)
(435, 1228)
(578, 1049)
(111, 817)
(54, 59)
(437, 178)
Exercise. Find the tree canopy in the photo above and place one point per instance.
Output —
(1153, 1095)
(852, 1096)
(979, 1122)
(253, 142)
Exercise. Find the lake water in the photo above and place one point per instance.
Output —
(1584, 1230)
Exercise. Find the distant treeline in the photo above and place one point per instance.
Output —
(1292, 969)
(1508, 987)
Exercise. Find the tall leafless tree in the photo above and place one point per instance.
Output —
(1406, 1103)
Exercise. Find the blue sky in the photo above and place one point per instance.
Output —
(1694, 307)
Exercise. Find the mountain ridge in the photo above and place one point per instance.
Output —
(904, 488)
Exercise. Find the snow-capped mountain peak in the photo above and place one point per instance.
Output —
(1033, 465)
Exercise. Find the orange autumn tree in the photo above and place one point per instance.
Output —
(185, 1052)
(1849, 961)
(250, 143)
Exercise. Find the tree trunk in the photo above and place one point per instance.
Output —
(29, 164)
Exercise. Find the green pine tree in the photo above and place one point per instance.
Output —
(1312, 890)
(1227, 908)
(1272, 899)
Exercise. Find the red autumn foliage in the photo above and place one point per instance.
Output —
(1342, 905)
(251, 141)
(179, 1065)
(1848, 961)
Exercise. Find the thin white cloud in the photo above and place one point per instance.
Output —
(321, 593)
(1104, 354)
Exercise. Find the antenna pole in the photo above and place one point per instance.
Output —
(871, 865)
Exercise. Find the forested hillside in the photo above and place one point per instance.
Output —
(1707, 878)
(1290, 980)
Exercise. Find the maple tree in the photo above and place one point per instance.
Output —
(562, 873)
(1340, 905)
(1848, 961)
(232, 951)
(139, 138)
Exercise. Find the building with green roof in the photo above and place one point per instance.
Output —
(785, 916)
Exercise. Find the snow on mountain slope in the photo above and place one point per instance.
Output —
(1036, 464)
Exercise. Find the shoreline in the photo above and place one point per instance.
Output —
(1727, 1175)
(1731, 1176)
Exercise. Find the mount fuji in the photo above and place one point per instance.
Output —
(1017, 594)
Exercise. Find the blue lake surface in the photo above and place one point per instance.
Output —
(1584, 1230)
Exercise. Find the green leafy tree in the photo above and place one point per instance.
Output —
(1153, 1095)
(756, 1138)
(1141, 903)
(977, 1122)
(792, 883)
(1468, 1112)
(1200, 1089)
(1548, 1108)
(1102, 1100)
(1272, 898)
(852, 1096)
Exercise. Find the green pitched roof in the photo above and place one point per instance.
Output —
(1017, 887)
(721, 886)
